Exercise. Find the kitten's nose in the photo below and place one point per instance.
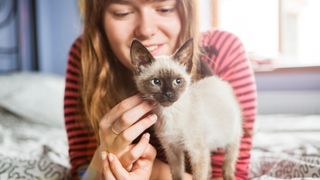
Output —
(168, 94)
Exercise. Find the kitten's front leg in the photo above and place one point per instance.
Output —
(175, 159)
(200, 162)
(229, 163)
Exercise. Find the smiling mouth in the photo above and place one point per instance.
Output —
(151, 48)
(154, 49)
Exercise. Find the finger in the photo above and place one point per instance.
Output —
(127, 136)
(125, 105)
(106, 167)
(134, 154)
(130, 117)
(106, 123)
(116, 168)
(146, 160)
(149, 153)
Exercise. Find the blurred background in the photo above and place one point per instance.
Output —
(281, 38)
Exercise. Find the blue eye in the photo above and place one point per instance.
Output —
(155, 82)
(177, 81)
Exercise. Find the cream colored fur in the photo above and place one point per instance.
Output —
(206, 117)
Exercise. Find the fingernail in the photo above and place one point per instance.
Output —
(110, 157)
(153, 117)
(103, 155)
(147, 136)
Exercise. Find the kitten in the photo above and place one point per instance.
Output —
(195, 118)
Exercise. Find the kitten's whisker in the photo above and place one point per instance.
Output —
(134, 92)
(145, 97)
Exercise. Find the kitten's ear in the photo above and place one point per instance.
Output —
(140, 56)
(184, 54)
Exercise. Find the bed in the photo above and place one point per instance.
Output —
(286, 147)
(33, 141)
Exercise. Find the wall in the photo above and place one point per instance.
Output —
(8, 37)
(58, 25)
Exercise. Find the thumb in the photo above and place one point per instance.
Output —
(149, 153)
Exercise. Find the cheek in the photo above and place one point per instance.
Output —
(172, 29)
(118, 35)
(113, 29)
(175, 27)
(146, 87)
(154, 89)
(179, 89)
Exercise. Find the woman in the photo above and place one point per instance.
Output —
(103, 116)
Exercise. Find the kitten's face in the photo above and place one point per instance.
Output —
(164, 86)
(164, 78)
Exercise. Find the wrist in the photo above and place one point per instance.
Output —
(93, 171)
(160, 170)
(155, 170)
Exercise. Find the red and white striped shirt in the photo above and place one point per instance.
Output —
(223, 52)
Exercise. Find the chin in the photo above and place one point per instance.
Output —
(166, 104)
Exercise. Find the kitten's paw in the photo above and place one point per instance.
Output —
(180, 178)
(177, 177)
(229, 177)
(228, 173)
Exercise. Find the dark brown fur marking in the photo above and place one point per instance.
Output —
(167, 92)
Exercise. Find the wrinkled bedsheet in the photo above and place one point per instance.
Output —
(286, 147)
(31, 151)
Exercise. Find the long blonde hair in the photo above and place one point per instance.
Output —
(103, 77)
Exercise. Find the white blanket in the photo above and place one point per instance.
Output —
(31, 151)
(286, 147)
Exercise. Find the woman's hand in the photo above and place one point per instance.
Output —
(121, 125)
(141, 170)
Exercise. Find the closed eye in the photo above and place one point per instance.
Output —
(121, 15)
(166, 10)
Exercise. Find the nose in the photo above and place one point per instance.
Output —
(168, 94)
(147, 25)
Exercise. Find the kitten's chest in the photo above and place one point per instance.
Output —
(170, 124)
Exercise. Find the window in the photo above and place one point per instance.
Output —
(282, 30)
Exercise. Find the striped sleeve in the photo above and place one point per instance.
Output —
(82, 143)
(225, 54)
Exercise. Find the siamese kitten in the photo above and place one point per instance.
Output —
(195, 118)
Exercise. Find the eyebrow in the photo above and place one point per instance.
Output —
(130, 2)
(121, 1)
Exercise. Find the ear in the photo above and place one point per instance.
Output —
(184, 54)
(140, 56)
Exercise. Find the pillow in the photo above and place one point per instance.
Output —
(35, 96)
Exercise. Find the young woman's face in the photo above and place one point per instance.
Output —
(156, 23)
